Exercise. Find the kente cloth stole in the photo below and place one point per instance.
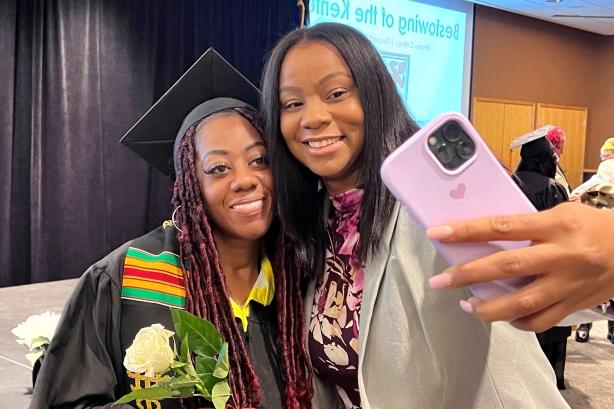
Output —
(153, 278)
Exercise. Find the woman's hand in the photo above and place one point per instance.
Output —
(572, 257)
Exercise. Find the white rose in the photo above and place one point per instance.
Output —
(37, 330)
(150, 352)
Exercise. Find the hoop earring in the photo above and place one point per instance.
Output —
(173, 218)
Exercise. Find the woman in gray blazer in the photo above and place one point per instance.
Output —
(377, 335)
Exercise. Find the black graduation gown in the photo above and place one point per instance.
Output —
(83, 367)
(541, 190)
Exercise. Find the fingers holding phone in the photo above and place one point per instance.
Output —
(570, 258)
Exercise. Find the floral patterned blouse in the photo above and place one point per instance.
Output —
(333, 330)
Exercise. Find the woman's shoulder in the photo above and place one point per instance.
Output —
(164, 238)
(160, 243)
(404, 234)
(151, 270)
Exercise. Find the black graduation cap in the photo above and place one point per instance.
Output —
(536, 147)
(211, 76)
(534, 142)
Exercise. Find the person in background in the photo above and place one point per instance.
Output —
(607, 149)
(556, 136)
(604, 175)
(535, 173)
(377, 336)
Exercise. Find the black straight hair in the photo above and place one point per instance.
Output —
(543, 163)
(386, 125)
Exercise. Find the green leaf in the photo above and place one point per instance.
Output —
(186, 357)
(152, 393)
(165, 383)
(177, 364)
(184, 350)
(203, 392)
(205, 365)
(208, 382)
(221, 366)
(186, 392)
(190, 371)
(183, 382)
(174, 347)
(204, 338)
(220, 394)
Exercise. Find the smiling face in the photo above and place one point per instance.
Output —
(234, 177)
(322, 120)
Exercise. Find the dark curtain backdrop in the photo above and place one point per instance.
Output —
(74, 76)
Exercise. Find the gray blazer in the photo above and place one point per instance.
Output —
(418, 350)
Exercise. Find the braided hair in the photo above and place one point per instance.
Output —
(208, 297)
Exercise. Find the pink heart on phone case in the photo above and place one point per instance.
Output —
(459, 192)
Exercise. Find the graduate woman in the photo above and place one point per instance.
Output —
(218, 259)
(378, 336)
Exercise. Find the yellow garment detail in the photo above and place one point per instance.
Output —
(262, 292)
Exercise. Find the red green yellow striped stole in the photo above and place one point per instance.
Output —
(153, 278)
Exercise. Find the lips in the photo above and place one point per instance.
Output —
(323, 146)
(321, 143)
(249, 207)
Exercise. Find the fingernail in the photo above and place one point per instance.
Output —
(469, 305)
(439, 232)
(443, 280)
(466, 306)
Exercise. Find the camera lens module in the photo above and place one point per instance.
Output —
(451, 145)
(465, 148)
(443, 154)
(451, 131)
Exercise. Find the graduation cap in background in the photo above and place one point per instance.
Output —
(211, 76)
(531, 136)
(534, 142)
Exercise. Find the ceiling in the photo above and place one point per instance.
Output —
(596, 16)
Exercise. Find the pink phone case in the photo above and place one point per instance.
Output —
(434, 195)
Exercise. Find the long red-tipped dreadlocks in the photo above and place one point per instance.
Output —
(207, 296)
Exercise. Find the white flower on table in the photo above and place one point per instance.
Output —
(36, 333)
(150, 352)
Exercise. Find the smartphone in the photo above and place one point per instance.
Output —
(446, 172)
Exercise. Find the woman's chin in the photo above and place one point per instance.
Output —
(255, 231)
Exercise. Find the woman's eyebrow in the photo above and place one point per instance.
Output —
(332, 75)
(320, 81)
(215, 152)
(254, 144)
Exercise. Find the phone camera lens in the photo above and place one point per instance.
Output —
(451, 132)
(465, 149)
(443, 154)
